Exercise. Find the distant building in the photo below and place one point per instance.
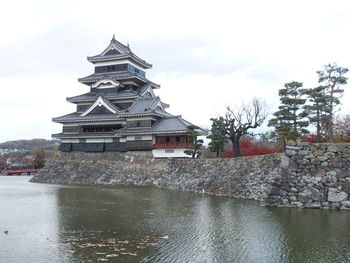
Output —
(121, 111)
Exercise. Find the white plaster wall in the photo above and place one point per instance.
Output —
(99, 140)
(143, 138)
(70, 141)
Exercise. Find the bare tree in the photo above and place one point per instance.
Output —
(39, 158)
(241, 120)
(342, 127)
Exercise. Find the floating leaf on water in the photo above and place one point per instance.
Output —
(129, 254)
(152, 244)
(100, 245)
(102, 259)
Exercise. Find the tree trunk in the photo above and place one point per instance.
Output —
(284, 144)
(318, 132)
(194, 153)
(330, 129)
(236, 148)
(318, 125)
(330, 119)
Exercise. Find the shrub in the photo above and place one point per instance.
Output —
(249, 148)
(309, 138)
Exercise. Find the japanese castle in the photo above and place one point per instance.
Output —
(121, 111)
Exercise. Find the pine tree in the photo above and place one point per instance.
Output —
(217, 135)
(332, 78)
(289, 120)
(316, 110)
(193, 139)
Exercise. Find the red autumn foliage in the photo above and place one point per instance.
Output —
(309, 138)
(249, 148)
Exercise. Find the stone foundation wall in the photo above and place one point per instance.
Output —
(313, 175)
(307, 175)
(248, 177)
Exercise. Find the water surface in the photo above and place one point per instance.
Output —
(54, 223)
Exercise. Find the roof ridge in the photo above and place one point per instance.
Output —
(105, 100)
(187, 123)
(123, 51)
(132, 105)
(154, 103)
(170, 117)
(149, 98)
(145, 87)
(120, 43)
(87, 93)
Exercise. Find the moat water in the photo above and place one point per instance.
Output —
(54, 223)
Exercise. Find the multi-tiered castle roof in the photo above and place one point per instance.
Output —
(121, 111)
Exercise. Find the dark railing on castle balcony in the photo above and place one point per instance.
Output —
(171, 145)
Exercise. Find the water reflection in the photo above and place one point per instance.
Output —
(216, 229)
(29, 214)
(315, 235)
(101, 224)
(138, 224)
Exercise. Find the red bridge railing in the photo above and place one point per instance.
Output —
(21, 171)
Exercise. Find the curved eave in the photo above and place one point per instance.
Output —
(165, 105)
(132, 76)
(154, 85)
(87, 120)
(134, 58)
(154, 132)
(140, 115)
(75, 136)
(92, 100)
(77, 101)
(202, 132)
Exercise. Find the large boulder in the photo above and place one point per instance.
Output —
(345, 204)
(337, 197)
(346, 187)
(309, 195)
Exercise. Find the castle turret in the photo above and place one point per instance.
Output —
(121, 111)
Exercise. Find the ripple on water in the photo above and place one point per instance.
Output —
(140, 224)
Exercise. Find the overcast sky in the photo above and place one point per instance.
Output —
(205, 54)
